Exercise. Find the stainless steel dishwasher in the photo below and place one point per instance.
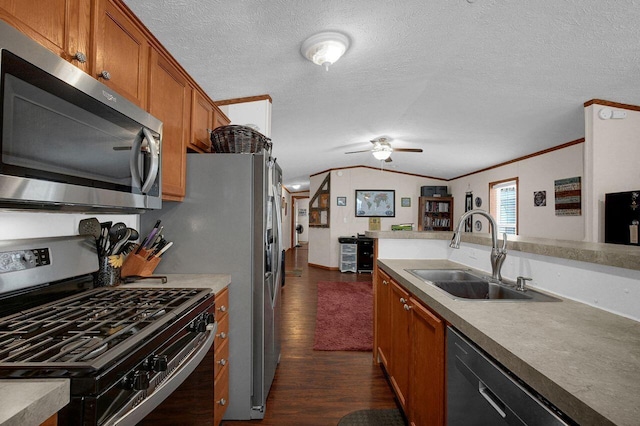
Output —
(480, 392)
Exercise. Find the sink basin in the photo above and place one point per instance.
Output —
(461, 284)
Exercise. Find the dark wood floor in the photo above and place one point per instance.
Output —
(317, 387)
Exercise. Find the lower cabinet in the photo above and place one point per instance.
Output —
(221, 358)
(410, 344)
(427, 367)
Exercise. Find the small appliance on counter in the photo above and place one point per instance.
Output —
(622, 218)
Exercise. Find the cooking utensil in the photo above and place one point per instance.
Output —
(134, 235)
(134, 278)
(116, 248)
(89, 226)
(148, 237)
(116, 233)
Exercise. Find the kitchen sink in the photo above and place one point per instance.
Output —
(461, 284)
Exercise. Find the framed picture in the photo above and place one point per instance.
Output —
(341, 201)
(405, 202)
(375, 203)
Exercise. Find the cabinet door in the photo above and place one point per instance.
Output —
(121, 53)
(383, 318)
(62, 26)
(201, 122)
(400, 343)
(170, 101)
(427, 367)
(219, 119)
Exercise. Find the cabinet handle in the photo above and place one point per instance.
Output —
(407, 307)
(222, 362)
(105, 75)
(385, 282)
(222, 401)
(403, 300)
(222, 308)
(223, 335)
(80, 57)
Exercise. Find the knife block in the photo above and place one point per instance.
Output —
(137, 264)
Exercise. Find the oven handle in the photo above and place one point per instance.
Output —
(170, 384)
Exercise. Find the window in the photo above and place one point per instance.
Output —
(503, 205)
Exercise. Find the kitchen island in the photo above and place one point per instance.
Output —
(584, 360)
(30, 402)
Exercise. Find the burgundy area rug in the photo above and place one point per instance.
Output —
(344, 319)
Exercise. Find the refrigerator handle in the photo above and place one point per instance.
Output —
(278, 197)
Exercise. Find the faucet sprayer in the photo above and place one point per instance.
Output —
(497, 254)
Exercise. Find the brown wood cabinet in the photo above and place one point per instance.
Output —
(435, 214)
(221, 359)
(399, 359)
(62, 26)
(426, 393)
(120, 51)
(201, 123)
(170, 102)
(383, 317)
(415, 362)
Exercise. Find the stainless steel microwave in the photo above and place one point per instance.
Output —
(67, 141)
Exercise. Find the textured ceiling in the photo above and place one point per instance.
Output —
(472, 82)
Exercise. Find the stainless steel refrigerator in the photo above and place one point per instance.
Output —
(230, 222)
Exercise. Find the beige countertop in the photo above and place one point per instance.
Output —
(603, 254)
(32, 401)
(28, 402)
(584, 360)
(215, 282)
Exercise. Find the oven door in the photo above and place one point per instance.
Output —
(67, 141)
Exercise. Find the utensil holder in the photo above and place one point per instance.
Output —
(107, 275)
(137, 264)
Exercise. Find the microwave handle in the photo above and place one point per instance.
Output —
(133, 162)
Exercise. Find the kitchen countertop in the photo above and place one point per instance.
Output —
(215, 282)
(600, 253)
(584, 360)
(32, 401)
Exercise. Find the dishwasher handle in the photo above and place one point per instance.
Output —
(492, 399)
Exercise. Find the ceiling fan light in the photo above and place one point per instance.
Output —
(325, 48)
(382, 154)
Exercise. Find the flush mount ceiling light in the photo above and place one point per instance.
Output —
(325, 48)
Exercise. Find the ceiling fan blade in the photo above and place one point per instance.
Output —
(355, 152)
(407, 149)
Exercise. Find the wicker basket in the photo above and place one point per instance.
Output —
(238, 139)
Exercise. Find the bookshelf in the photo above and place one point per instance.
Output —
(435, 214)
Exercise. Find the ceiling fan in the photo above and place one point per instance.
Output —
(382, 149)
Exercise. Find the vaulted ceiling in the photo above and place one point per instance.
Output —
(472, 82)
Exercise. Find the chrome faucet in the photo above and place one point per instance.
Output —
(497, 254)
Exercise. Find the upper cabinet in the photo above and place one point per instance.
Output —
(62, 26)
(170, 102)
(120, 57)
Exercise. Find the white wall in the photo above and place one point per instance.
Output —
(323, 243)
(535, 174)
(612, 157)
(255, 113)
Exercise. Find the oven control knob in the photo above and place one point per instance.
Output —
(210, 318)
(156, 363)
(137, 381)
(201, 326)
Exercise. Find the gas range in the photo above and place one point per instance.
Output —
(123, 349)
